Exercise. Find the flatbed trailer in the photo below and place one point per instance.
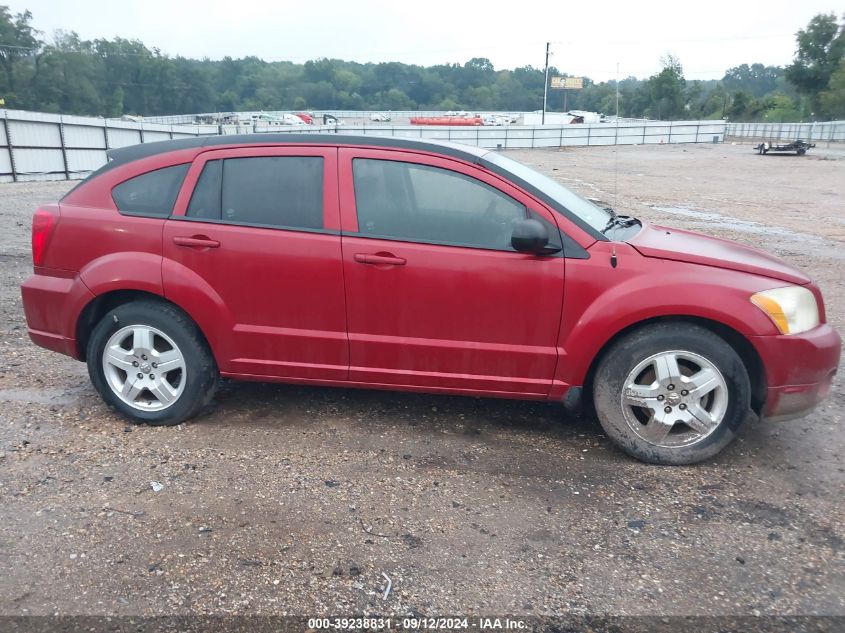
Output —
(799, 147)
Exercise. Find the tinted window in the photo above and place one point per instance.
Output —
(429, 204)
(205, 201)
(153, 193)
(285, 191)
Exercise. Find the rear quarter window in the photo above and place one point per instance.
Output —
(152, 194)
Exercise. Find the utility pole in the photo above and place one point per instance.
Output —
(546, 84)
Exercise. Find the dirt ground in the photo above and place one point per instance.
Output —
(296, 500)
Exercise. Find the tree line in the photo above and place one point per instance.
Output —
(114, 77)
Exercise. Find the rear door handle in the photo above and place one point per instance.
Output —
(379, 258)
(196, 241)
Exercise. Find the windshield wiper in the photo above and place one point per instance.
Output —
(618, 221)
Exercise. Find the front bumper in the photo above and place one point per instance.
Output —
(799, 370)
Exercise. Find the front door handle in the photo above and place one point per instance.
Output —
(196, 241)
(379, 259)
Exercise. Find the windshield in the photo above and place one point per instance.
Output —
(590, 213)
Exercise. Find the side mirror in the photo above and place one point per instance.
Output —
(531, 236)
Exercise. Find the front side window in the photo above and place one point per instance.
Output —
(275, 191)
(151, 194)
(411, 202)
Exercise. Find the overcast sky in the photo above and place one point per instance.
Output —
(588, 37)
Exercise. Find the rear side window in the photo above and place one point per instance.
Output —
(275, 191)
(152, 194)
(205, 201)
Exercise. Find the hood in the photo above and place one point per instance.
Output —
(687, 246)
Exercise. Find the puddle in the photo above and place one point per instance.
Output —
(52, 397)
(712, 219)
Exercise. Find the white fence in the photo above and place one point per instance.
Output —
(829, 131)
(536, 136)
(40, 146)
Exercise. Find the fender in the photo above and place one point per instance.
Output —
(146, 272)
(200, 301)
(601, 301)
(130, 270)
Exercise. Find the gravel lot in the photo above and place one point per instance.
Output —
(295, 500)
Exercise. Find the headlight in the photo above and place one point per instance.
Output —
(792, 309)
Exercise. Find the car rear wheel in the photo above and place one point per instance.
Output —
(149, 361)
(672, 393)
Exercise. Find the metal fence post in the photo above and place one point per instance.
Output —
(106, 134)
(64, 147)
(589, 129)
(9, 145)
(561, 137)
(697, 126)
(670, 134)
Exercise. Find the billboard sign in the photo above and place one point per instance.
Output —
(567, 83)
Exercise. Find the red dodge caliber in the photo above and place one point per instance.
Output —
(398, 264)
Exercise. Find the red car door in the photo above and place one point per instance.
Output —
(252, 250)
(436, 297)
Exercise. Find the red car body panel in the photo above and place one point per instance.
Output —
(292, 322)
(687, 246)
(316, 307)
(450, 317)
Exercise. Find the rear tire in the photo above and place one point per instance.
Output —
(149, 361)
(673, 393)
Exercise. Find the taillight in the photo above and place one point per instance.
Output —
(42, 224)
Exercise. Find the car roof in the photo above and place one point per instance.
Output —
(131, 153)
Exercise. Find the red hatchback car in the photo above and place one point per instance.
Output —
(399, 264)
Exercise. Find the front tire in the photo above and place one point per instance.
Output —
(149, 361)
(673, 393)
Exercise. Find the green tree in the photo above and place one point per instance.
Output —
(832, 99)
(741, 103)
(18, 42)
(758, 80)
(666, 90)
(118, 76)
(821, 48)
(776, 108)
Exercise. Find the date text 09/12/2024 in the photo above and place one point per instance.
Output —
(411, 623)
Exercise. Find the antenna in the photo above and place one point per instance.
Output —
(616, 149)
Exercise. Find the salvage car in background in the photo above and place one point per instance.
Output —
(399, 264)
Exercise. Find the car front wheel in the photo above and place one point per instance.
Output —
(149, 361)
(673, 393)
